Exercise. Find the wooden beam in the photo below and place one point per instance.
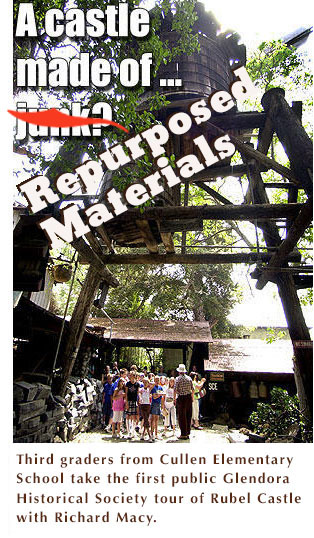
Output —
(180, 225)
(106, 239)
(296, 106)
(240, 120)
(93, 241)
(95, 261)
(148, 238)
(265, 136)
(236, 170)
(301, 281)
(292, 199)
(217, 258)
(295, 233)
(280, 185)
(214, 212)
(262, 159)
(214, 194)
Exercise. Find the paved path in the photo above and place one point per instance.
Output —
(207, 434)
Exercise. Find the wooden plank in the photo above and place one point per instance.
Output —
(214, 212)
(148, 238)
(180, 225)
(240, 120)
(216, 258)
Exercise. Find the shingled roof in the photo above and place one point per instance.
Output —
(151, 330)
(250, 355)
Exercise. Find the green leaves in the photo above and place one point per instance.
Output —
(275, 419)
(272, 62)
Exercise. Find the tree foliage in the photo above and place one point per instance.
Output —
(123, 101)
(277, 418)
(274, 63)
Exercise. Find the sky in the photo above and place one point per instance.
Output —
(261, 21)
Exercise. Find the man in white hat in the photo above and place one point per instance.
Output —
(183, 393)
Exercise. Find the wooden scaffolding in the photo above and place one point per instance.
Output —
(152, 228)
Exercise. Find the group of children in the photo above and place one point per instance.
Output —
(139, 399)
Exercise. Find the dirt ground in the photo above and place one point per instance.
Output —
(205, 435)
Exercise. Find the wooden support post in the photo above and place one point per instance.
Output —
(303, 357)
(185, 203)
(293, 312)
(292, 135)
(167, 240)
(298, 228)
(105, 237)
(95, 260)
(94, 244)
(148, 238)
(292, 199)
(78, 323)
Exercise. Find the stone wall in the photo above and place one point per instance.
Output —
(41, 417)
(35, 413)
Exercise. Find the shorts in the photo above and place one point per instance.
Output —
(155, 408)
(132, 408)
(117, 416)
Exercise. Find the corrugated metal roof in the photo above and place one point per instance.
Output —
(151, 330)
(250, 355)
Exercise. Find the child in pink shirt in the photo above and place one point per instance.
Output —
(118, 400)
